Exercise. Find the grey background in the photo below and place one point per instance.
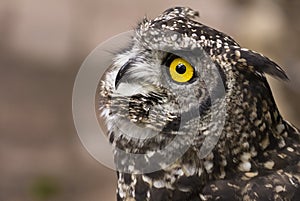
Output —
(42, 45)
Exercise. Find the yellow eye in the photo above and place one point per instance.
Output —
(181, 70)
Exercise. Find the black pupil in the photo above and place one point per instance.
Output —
(180, 68)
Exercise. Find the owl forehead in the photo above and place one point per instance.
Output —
(176, 29)
(167, 35)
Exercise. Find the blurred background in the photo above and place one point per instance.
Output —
(42, 45)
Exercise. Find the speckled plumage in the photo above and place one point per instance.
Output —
(257, 153)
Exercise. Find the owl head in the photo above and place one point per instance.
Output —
(184, 85)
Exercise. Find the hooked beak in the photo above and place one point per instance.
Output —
(121, 73)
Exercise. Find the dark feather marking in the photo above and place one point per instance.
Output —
(263, 64)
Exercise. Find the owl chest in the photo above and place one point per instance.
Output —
(183, 180)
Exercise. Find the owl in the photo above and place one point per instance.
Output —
(191, 117)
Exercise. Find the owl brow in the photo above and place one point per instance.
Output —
(185, 54)
(169, 58)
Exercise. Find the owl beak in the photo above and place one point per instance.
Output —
(121, 73)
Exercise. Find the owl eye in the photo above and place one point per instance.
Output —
(181, 70)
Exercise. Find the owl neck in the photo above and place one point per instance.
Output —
(254, 124)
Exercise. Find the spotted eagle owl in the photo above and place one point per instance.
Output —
(191, 117)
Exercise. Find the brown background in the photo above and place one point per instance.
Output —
(42, 45)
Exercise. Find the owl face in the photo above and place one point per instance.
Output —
(158, 92)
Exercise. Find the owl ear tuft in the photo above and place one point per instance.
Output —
(185, 12)
(263, 64)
